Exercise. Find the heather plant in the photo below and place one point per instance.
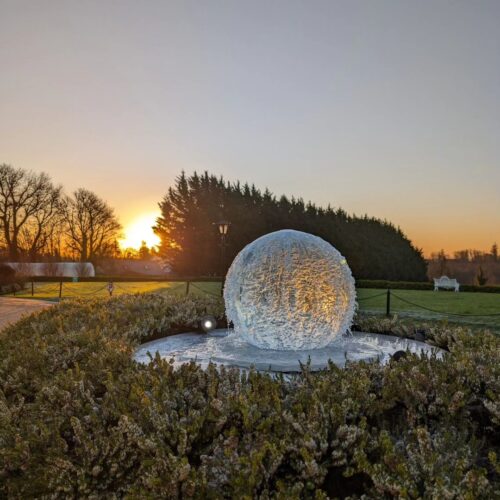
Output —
(80, 419)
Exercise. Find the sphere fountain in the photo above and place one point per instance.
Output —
(290, 290)
(291, 298)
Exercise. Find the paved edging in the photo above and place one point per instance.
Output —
(12, 309)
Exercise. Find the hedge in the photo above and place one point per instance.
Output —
(80, 419)
(483, 288)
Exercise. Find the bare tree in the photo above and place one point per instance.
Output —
(40, 230)
(462, 255)
(442, 259)
(55, 241)
(29, 203)
(91, 225)
(481, 276)
(494, 252)
(477, 255)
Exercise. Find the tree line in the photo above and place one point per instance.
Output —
(39, 221)
(469, 266)
(468, 255)
(190, 242)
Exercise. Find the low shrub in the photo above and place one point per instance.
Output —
(7, 275)
(480, 288)
(8, 281)
(80, 418)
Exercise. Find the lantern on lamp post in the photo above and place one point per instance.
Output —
(223, 227)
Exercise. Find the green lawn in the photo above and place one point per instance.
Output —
(50, 291)
(370, 300)
(466, 303)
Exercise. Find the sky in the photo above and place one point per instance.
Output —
(390, 108)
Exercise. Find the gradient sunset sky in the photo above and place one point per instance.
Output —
(390, 108)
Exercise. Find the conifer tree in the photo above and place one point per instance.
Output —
(190, 242)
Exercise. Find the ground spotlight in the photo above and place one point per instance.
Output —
(398, 355)
(208, 323)
(420, 334)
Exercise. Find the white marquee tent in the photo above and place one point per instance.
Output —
(60, 269)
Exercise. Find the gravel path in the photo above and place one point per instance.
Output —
(12, 309)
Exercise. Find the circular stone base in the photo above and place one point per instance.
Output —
(223, 347)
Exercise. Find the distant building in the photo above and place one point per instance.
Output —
(147, 267)
(134, 267)
(54, 269)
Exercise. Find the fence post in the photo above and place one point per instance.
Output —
(60, 290)
(388, 303)
(32, 289)
(187, 287)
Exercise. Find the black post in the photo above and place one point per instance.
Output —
(60, 290)
(388, 303)
(32, 289)
(222, 254)
(187, 287)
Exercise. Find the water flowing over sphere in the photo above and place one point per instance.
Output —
(290, 290)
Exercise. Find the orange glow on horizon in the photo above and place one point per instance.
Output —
(138, 230)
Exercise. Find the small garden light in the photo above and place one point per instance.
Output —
(420, 334)
(208, 323)
(398, 355)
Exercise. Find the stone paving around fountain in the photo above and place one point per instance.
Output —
(225, 348)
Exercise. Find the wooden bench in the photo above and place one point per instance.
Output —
(445, 282)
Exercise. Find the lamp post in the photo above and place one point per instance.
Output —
(223, 227)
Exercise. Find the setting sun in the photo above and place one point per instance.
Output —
(139, 230)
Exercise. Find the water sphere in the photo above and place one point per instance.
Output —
(290, 290)
(291, 297)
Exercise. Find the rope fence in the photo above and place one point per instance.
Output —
(390, 296)
(79, 293)
(67, 289)
(364, 299)
(444, 312)
(207, 292)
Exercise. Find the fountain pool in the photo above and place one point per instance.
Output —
(224, 347)
(291, 298)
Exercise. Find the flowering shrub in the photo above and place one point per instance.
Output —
(80, 418)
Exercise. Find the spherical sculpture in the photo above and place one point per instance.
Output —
(289, 290)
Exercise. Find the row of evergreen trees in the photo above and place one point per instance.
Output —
(190, 241)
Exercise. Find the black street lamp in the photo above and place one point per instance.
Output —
(223, 227)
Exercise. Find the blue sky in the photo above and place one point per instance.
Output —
(390, 108)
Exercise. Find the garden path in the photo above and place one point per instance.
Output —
(11, 309)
